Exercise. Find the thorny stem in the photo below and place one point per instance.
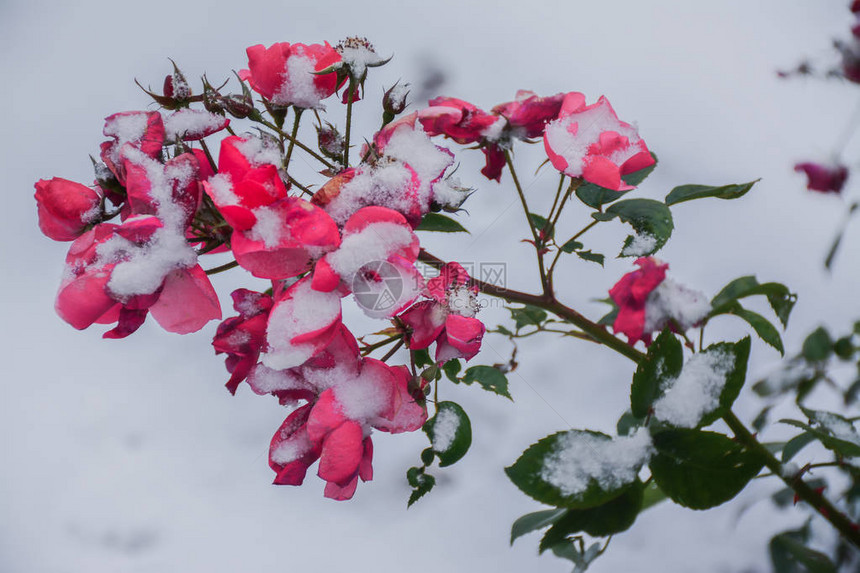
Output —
(298, 143)
(559, 252)
(537, 240)
(547, 301)
(293, 137)
(351, 89)
(300, 186)
(209, 156)
(557, 197)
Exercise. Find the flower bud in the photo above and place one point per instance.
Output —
(65, 208)
(330, 141)
(823, 177)
(239, 106)
(212, 99)
(394, 101)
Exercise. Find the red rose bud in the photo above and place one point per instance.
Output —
(855, 6)
(176, 86)
(330, 141)
(239, 106)
(394, 101)
(822, 177)
(65, 208)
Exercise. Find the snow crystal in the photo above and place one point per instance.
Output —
(463, 301)
(127, 128)
(572, 136)
(642, 244)
(581, 459)
(299, 88)
(414, 147)
(358, 54)
(673, 301)
(191, 124)
(697, 389)
(445, 429)
(376, 242)
(307, 311)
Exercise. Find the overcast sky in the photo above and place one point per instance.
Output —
(130, 455)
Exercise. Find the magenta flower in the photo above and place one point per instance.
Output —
(448, 318)
(529, 113)
(648, 302)
(275, 236)
(592, 143)
(823, 177)
(142, 129)
(285, 74)
(243, 337)
(65, 208)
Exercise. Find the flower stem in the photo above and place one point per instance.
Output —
(298, 143)
(351, 89)
(222, 268)
(293, 137)
(537, 240)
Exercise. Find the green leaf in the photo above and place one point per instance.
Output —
(734, 380)
(844, 348)
(589, 256)
(835, 432)
(778, 296)
(451, 369)
(424, 483)
(440, 223)
(762, 326)
(595, 196)
(789, 555)
(535, 521)
(541, 225)
(690, 192)
(664, 362)
(646, 216)
(627, 423)
(701, 470)
(490, 378)
(422, 358)
(450, 433)
(528, 472)
(652, 495)
(571, 246)
(612, 517)
(818, 346)
(795, 444)
(528, 315)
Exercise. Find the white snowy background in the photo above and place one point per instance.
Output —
(130, 456)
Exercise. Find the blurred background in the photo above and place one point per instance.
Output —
(130, 456)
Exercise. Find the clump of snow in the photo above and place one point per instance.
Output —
(397, 95)
(299, 88)
(389, 184)
(291, 449)
(305, 311)
(220, 187)
(259, 151)
(445, 429)
(462, 300)
(788, 376)
(697, 389)
(191, 124)
(581, 459)
(364, 397)
(572, 136)
(449, 192)
(838, 427)
(270, 227)
(641, 245)
(143, 268)
(358, 54)
(376, 242)
(674, 301)
(495, 130)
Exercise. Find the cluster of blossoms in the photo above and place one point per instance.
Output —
(354, 235)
